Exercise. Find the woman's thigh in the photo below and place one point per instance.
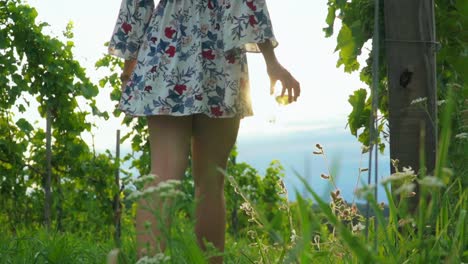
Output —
(169, 145)
(213, 139)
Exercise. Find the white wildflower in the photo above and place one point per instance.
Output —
(156, 259)
(150, 190)
(252, 234)
(406, 174)
(168, 185)
(144, 179)
(419, 100)
(172, 194)
(408, 170)
(440, 102)
(135, 195)
(246, 207)
(359, 227)
(431, 181)
(406, 188)
(165, 189)
(294, 236)
(462, 136)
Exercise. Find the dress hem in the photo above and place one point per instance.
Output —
(134, 115)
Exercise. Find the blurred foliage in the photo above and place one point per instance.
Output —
(356, 26)
(39, 70)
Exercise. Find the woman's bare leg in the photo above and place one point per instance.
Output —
(212, 142)
(169, 138)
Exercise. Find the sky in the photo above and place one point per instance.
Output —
(303, 50)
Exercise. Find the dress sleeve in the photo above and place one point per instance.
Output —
(133, 19)
(246, 23)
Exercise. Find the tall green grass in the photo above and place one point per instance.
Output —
(316, 231)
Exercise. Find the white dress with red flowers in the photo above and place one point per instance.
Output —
(191, 55)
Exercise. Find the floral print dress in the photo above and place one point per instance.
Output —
(191, 55)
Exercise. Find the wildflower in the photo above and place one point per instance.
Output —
(144, 179)
(156, 259)
(358, 228)
(246, 207)
(406, 188)
(462, 136)
(408, 170)
(419, 100)
(252, 234)
(440, 102)
(317, 241)
(135, 195)
(150, 190)
(172, 194)
(395, 163)
(431, 181)
(403, 222)
(406, 174)
(293, 236)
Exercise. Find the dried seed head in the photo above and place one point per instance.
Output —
(364, 170)
(412, 194)
(395, 164)
(252, 234)
(318, 146)
(403, 222)
(283, 189)
(317, 152)
(325, 177)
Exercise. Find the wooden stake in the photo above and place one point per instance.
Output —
(411, 62)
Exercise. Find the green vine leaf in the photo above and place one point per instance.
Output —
(25, 126)
(359, 117)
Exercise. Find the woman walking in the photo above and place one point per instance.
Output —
(186, 72)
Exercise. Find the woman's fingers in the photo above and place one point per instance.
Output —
(290, 85)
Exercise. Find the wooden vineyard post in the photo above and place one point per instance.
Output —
(48, 176)
(117, 207)
(411, 63)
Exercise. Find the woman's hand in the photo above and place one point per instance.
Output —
(278, 73)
